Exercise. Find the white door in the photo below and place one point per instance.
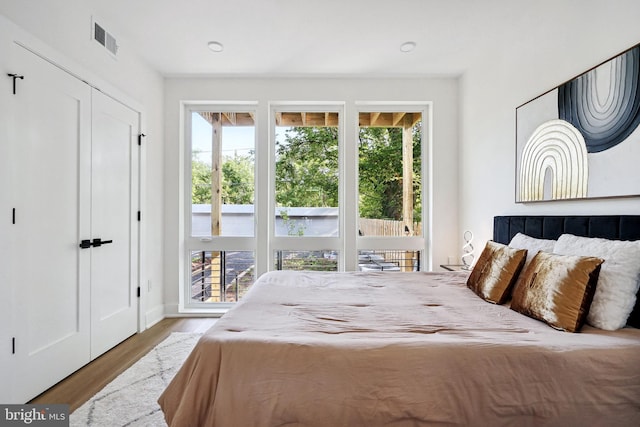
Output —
(114, 209)
(7, 196)
(76, 180)
(50, 281)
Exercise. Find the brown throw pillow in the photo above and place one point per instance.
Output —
(496, 271)
(557, 289)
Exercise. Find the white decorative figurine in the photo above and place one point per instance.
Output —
(467, 250)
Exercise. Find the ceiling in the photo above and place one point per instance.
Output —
(310, 37)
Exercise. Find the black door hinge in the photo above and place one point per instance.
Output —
(142, 135)
(13, 345)
(139, 215)
(15, 77)
(138, 291)
(13, 216)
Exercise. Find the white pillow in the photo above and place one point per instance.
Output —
(619, 277)
(532, 245)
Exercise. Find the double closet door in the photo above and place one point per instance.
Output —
(75, 231)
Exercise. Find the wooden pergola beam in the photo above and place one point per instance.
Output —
(216, 177)
(407, 173)
(231, 118)
(310, 118)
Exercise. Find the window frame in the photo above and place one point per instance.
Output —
(190, 243)
(306, 243)
(264, 243)
(406, 243)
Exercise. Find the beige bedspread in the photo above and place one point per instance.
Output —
(409, 349)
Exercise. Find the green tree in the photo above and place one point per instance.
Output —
(307, 170)
(200, 181)
(237, 180)
(307, 167)
(380, 173)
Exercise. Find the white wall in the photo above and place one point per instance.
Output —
(474, 147)
(571, 38)
(62, 34)
(442, 92)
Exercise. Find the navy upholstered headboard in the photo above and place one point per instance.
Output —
(615, 227)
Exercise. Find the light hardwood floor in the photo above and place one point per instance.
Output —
(80, 386)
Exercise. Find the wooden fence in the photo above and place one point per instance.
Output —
(387, 227)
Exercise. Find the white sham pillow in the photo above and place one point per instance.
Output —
(619, 279)
(532, 245)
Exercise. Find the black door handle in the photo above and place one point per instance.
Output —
(99, 242)
(85, 244)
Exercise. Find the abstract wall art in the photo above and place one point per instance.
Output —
(581, 139)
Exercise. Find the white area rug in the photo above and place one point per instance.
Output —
(131, 399)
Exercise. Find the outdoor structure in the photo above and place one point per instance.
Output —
(238, 220)
(406, 121)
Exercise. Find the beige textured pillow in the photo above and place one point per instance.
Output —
(496, 271)
(557, 289)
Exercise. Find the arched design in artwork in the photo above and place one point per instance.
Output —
(558, 148)
(604, 103)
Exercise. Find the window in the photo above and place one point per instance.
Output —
(221, 276)
(222, 173)
(390, 171)
(324, 260)
(331, 195)
(306, 196)
(306, 174)
(388, 260)
(220, 220)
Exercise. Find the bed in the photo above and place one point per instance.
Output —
(421, 348)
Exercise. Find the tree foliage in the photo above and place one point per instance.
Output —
(200, 181)
(237, 180)
(307, 167)
(380, 173)
(307, 172)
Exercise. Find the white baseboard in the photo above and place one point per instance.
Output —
(172, 310)
(154, 315)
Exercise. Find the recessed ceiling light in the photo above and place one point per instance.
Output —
(215, 46)
(407, 47)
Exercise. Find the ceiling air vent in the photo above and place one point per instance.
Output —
(105, 38)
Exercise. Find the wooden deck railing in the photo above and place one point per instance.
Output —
(216, 277)
(392, 228)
